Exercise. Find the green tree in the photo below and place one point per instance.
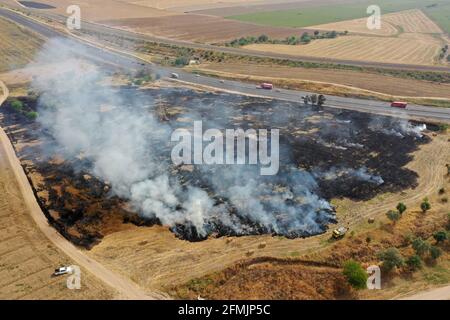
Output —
(401, 207)
(17, 105)
(355, 274)
(435, 252)
(305, 38)
(263, 38)
(393, 215)
(425, 205)
(420, 246)
(414, 262)
(32, 115)
(440, 236)
(391, 258)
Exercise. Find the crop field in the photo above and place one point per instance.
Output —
(421, 50)
(18, 45)
(410, 21)
(439, 10)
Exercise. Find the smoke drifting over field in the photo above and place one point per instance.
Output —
(127, 146)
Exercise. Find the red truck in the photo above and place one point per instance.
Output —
(399, 104)
(267, 86)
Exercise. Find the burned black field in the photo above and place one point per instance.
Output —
(324, 154)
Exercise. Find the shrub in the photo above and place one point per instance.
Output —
(394, 216)
(414, 262)
(420, 246)
(425, 205)
(440, 236)
(401, 207)
(32, 115)
(355, 274)
(17, 105)
(391, 259)
(435, 252)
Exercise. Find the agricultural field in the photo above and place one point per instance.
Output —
(410, 21)
(405, 49)
(322, 14)
(199, 28)
(18, 45)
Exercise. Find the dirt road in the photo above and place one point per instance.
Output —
(434, 294)
(126, 289)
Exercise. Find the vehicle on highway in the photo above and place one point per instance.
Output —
(399, 104)
(62, 270)
(174, 75)
(266, 86)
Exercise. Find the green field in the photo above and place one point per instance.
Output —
(311, 16)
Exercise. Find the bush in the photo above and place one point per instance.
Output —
(391, 259)
(401, 207)
(440, 236)
(355, 274)
(435, 252)
(17, 105)
(182, 61)
(414, 262)
(420, 246)
(394, 216)
(425, 205)
(32, 115)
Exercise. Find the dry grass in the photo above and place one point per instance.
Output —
(173, 4)
(411, 21)
(99, 10)
(421, 50)
(18, 45)
(383, 84)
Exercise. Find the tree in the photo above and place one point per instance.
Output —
(17, 105)
(394, 216)
(401, 207)
(305, 38)
(391, 259)
(425, 205)
(313, 98)
(182, 61)
(420, 246)
(435, 252)
(316, 33)
(263, 38)
(32, 115)
(440, 236)
(355, 274)
(414, 262)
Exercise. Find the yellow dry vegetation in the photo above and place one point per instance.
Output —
(17, 45)
(171, 4)
(411, 21)
(417, 49)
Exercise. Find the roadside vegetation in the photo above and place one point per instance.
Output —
(305, 38)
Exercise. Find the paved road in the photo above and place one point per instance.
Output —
(129, 62)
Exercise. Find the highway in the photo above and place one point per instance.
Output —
(126, 61)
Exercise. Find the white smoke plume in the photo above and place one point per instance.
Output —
(123, 144)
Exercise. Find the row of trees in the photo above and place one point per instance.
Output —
(305, 38)
(395, 215)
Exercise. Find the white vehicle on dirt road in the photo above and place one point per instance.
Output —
(62, 270)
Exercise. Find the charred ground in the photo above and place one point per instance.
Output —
(349, 154)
